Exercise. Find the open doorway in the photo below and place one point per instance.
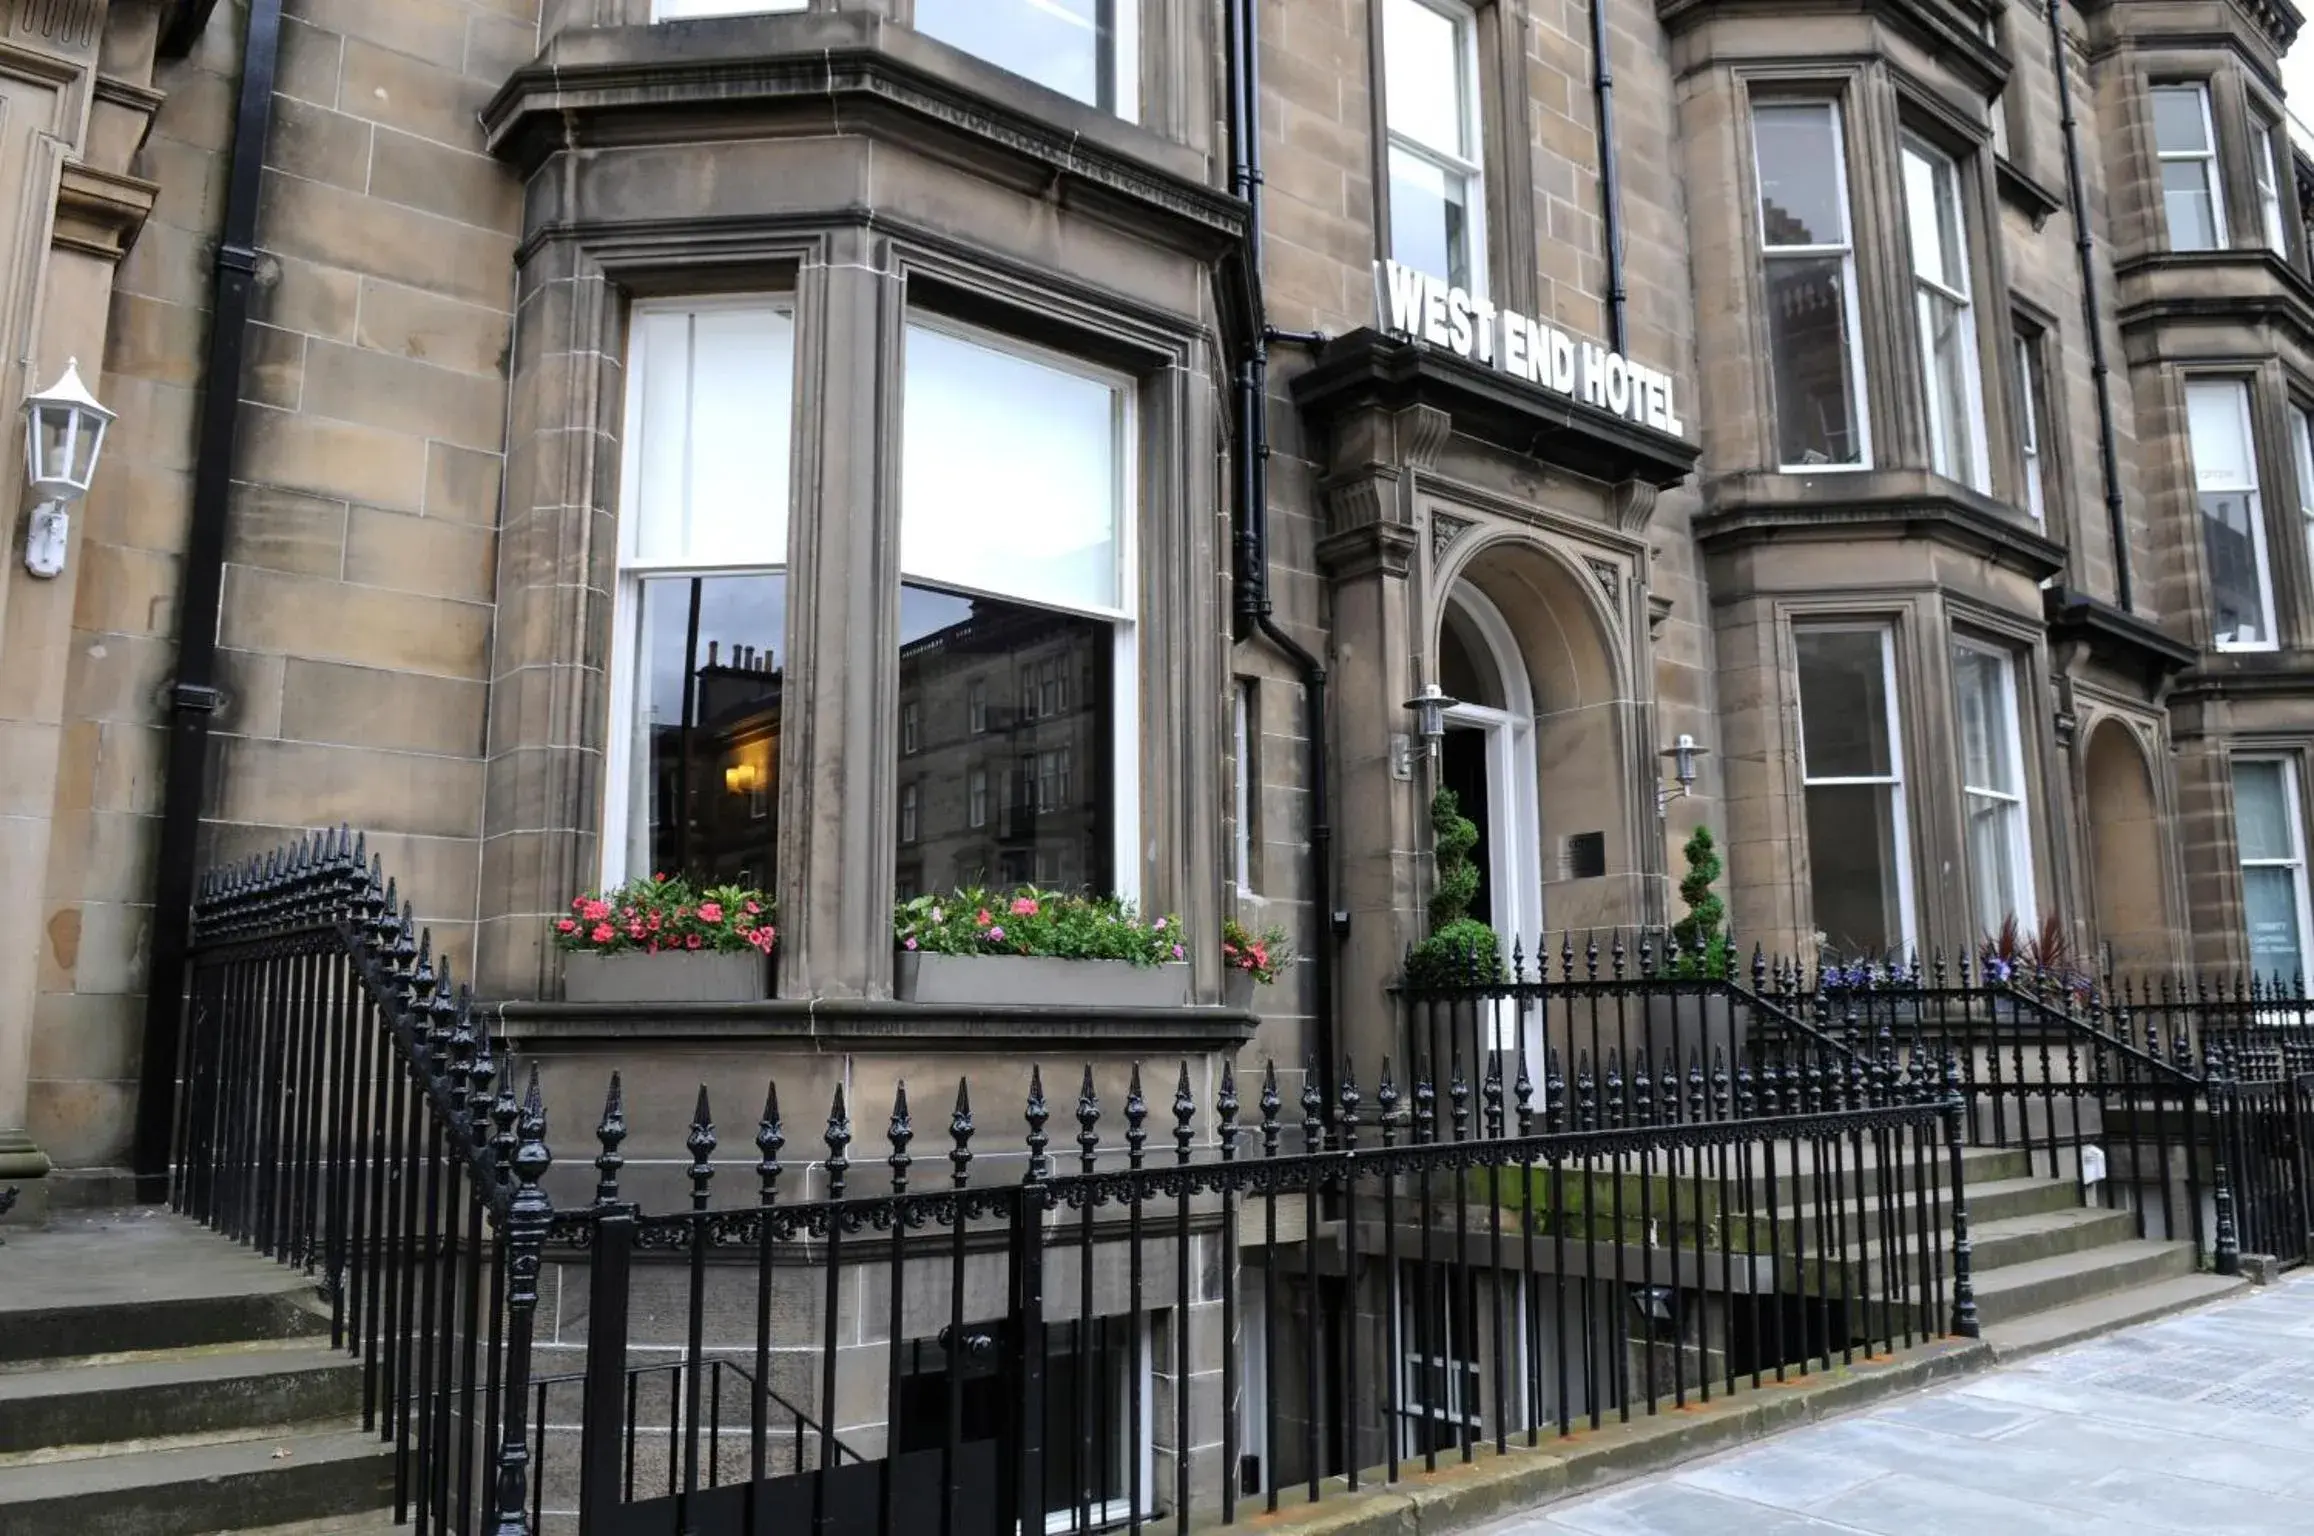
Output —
(1488, 760)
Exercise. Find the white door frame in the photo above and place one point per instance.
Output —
(1514, 818)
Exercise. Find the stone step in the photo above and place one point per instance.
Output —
(183, 1491)
(2018, 1290)
(2015, 1240)
(2097, 1315)
(186, 1392)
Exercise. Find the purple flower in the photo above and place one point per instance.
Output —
(908, 944)
(1176, 951)
(1160, 925)
(996, 935)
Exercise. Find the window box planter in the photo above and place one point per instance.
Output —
(678, 976)
(1011, 980)
(1239, 989)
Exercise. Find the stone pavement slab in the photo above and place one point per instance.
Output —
(2200, 1423)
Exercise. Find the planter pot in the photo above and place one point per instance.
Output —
(1011, 980)
(683, 976)
(1238, 989)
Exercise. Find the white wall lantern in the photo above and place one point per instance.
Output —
(64, 427)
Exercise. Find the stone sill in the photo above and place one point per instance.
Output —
(2184, 287)
(863, 1024)
(1844, 506)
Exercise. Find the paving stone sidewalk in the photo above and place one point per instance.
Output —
(2202, 1423)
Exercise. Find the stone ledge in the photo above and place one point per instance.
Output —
(1492, 1486)
(1760, 507)
(862, 1024)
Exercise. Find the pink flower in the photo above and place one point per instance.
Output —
(996, 935)
(654, 949)
(750, 909)
(602, 933)
(1176, 951)
(711, 912)
(691, 942)
(634, 930)
(681, 913)
(595, 911)
(653, 925)
(1160, 925)
(567, 925)
(983, 920)
(907, 943)
(1023, 906)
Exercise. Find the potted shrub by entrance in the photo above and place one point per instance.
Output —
(979, 947)
(1250, 960)
(662, 940)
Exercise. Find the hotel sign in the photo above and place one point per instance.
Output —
(1423, 308)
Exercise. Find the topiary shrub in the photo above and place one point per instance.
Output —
(1461, 950)
(1701, 936)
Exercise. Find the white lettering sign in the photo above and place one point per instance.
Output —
(1424, 308)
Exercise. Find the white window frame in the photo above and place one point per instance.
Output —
(2208, 155)
(2288, 762)
(911, 728)
(977, 707)
(696, 10)
(1119, 1511)
(1125, 630)
(2302, 459)
(1899, 814)
(1125, 61)
(1243, 731)
(1947, 440)
(2029, 427)
(627, 598)
(977, 798)
(907, 813)
(2268, 171)
(1859, 403)
(1452, 161)
(2242, 390)
(2007, 719)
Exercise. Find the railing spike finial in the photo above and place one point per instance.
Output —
(1458, 1097)
(611, 1132)
(1591, 955)
(1038, 1112)
(1271, 1106)
(1554, 1091)
(1225, 1109)
(1184, 1111)
(1586, 1093)
(1137, 1113)
(505, 1114)
(1612, 1088)
(770, 1138)
(1518, 960)
(1386, 1104)
(1491, 1095)
(1667, 1084)
(1642, 1089)
(1523, 1092)
(899, 1133)
(531, 1157)
(1425, 1106)
(1719, 1083)
(1313, 1101)
(1615, 953)
(960, 1135)
(700, 1143)
(1346, 1100)
(838, 1136)
(1088, 1121)
(1759, 966)
(1566, 954)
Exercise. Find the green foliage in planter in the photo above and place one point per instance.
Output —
(664, 914)
(1460, 951)
(1044, 924)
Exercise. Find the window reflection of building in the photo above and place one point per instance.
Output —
(1010, 781)
(724, 767)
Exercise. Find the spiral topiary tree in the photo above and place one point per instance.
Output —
(1461, 950)
(1701, 935)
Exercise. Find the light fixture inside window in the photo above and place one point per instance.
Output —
(742, 778)
(64, 427)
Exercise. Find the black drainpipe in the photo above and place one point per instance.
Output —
(194, 698)
(1610, 180)
(2084, 246)
(1251, 491)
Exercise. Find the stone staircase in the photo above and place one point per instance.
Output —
(2050, 1270)
(157, 1380)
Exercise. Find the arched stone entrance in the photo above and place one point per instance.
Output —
(2126, 878)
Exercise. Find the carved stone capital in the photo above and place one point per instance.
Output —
(1379, 549)
(1445, 528)
(1633, 503)
(100, 213)
(1359, 499)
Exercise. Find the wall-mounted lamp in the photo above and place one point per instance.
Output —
(742, 778)
(64, 427)
(1429, 709)
(1683, 754)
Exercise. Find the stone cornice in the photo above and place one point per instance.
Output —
(836, 71)
(1953, 29)
(1750, 509)
(2120, 639)
(1368, 370)
(852, 1024)
(2024, 191)
(2186, 287)
(2275, 22)
(2252, 675)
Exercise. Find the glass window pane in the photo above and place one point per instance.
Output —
(1932, 215)
(1948, 352)
(2192, 212)
(1852, 868)
(2179, 124)
(708, 676)
(1980, 680)
(2217, 419)
(2230, 549)
(1011, 477)
(1843, 703)
(1797, 147)
(1067, 45)
(1808, 356)
(711, 436)
(2262, 810)
(2302, 456)
(1430, 217)
(1056, 812)
(1423, 76)
(1993, 827)
(2270, 907)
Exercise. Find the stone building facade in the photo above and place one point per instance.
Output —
(849, 382)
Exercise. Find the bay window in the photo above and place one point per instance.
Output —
(700, 630)
(1016, 565)
(2269, 173)
(1430, 108)
(1808, 260)
(1951, 385)
(2225, 471)
(2185, 143)
(1087, 49)
(2271, 835)
(1852, 767)
(1992, 776)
